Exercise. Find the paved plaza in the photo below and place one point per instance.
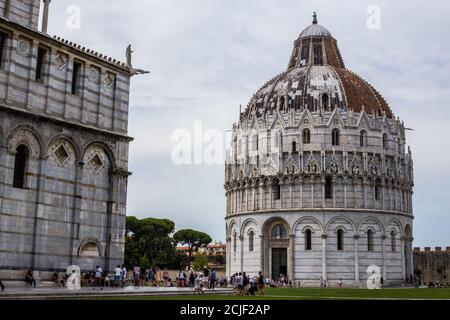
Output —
(89, 292)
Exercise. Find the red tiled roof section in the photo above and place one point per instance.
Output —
(332, 52)
(359, 93)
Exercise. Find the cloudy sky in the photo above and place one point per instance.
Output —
(207, 57)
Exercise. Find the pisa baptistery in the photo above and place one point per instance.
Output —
(318, 182)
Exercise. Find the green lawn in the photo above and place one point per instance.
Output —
(313, 294)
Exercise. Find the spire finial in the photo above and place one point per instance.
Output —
(314, 18)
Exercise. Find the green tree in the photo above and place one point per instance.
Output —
(200, 261)
(193, 239)
(149, 238)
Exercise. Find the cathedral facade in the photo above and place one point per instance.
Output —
(63, 149)
(318, 179)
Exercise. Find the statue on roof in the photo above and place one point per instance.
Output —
(129, 54)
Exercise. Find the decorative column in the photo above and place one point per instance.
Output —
(291, 256)
(45, 16)
(324, 256)
(38, 208)
(76, 208)
(364, 182)
(345, 191)
(356, 237)
(291, 202)
(301, 192)
(334, 191)
(402, 251)
(323, 192)
(383, 256)
(261, 194)
(241, 240)
(228, 258)
(262, 255)
(254, 198)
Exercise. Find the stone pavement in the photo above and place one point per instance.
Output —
(89, 292)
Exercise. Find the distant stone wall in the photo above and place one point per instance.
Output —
(432, 265)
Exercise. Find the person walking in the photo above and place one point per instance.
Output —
(212, 279)
(2, 286)
(181, 279)
(261, 283)
(136, 275)
(340, 283)
(191, 279)
(124, 275)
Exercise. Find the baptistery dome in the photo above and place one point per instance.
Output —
(318, 182)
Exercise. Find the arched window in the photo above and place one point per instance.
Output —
(377, 190)
(234, 242)
(308, 242)
(393, 241)
(294, 146)
(306, 136)
(90, 250)
(276, 189)
(251, 236)
(363, 138)
(369, 240)
(399, 145)
(385, 141)
(278, 232)
(281, 104)
(340, 239)
(325, 101)
(328, 188)
(255, 142)
(20, 164)
(318, 57)
(335, 137)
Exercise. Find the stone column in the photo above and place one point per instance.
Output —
(254, 198)
(290, 196)
(291, 257)
(261, 195)
(45, 16)
(356, 237)
(402, 250)
(345, 192)
(262, 255)
(7, 9)
(324, 256)
(241, 240)
(323, 192)
(301, 193)
(76, 208)
(364, 182)
(334, 191)
(383, 256)
(38, 210)
(228, 258)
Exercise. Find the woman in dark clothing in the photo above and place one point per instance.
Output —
(29, 279)
(2, 286)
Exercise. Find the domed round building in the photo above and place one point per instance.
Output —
(318, 182)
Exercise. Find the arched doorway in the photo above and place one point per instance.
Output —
(276, 248)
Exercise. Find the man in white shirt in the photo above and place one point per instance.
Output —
(117, 275)
(98, 276)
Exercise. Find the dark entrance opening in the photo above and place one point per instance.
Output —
(279, 262)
